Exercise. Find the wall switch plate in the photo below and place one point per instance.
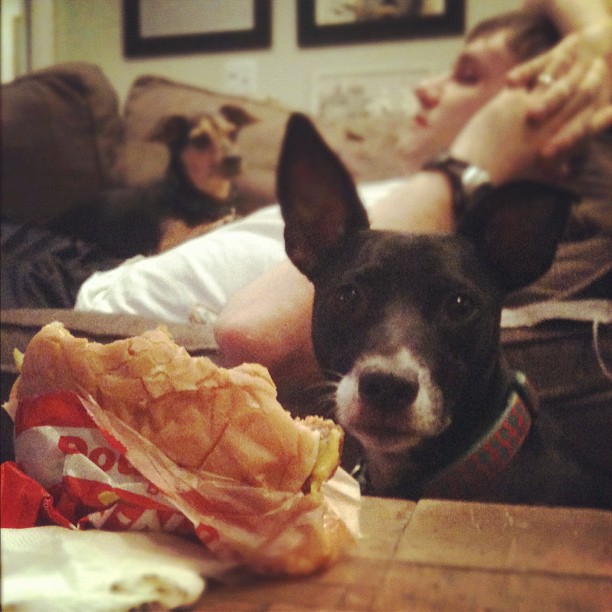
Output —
(241, 76)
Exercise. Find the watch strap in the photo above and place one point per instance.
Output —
(468, 182)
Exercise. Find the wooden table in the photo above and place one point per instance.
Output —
(438, 555)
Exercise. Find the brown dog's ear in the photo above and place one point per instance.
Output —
(516, 227)
(317, 195)
(237, 115)
(170, 129)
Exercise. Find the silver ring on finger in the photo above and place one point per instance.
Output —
(545, 79)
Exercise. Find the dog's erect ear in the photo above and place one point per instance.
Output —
(317, 196)
(517, 227)
(171, 129)
(237, 115)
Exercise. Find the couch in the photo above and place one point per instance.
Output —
(64, 137)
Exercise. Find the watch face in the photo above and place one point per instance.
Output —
(473, 177)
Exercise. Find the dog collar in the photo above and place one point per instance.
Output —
(477, 469)
(472, 473)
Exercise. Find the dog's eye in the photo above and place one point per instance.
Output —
(349, 300)
(459, 307)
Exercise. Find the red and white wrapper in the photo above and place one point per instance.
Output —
(81, 467)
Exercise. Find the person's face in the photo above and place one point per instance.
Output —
(449, 100)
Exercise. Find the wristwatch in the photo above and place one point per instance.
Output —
(468, 182)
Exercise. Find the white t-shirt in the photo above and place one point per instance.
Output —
(193, 281)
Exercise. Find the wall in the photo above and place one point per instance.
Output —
(91, 31)
(14, 56)
(20, 52)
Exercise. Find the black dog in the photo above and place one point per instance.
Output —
(196, 188)
(409, 325)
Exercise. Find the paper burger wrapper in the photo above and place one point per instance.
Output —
(99, 472)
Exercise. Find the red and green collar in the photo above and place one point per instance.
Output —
(473, 473)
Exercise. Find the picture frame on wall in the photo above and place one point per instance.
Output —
(171, 27)
(338, 22)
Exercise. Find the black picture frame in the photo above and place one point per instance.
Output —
(137, 45)
(451, 21)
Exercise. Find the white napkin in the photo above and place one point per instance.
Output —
(58, 569)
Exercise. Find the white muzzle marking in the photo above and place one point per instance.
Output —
(399, 428)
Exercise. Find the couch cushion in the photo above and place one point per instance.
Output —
(60, 132)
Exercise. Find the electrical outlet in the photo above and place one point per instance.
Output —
(241, 76)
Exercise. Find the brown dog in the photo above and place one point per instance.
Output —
(194, 195)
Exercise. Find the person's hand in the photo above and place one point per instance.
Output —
(576, 72)
(602, 120)
(585, 96)
(500, 140)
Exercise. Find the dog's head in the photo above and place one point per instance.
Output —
(203, 148)
(409, 324)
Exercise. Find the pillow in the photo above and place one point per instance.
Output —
(60, 132)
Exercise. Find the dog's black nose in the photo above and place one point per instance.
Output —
(387, 391)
